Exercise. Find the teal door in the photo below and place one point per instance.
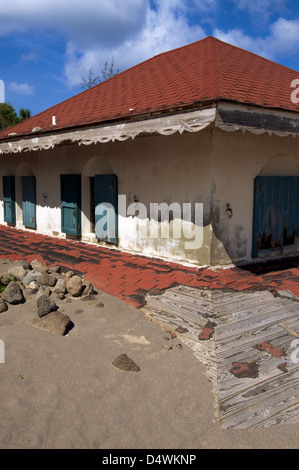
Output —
(70, 186)
(9, 199)
(276, 212)
(28, 201)
(106, 207)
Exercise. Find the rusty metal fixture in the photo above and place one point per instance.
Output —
(229, 210)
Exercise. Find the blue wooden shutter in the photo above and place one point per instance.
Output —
(9, 199)
(106, 207)
(28, 201)
(276, 211)
(70, 186)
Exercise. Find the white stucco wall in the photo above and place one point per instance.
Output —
(155, 169)
(211, 167)
(238, 158)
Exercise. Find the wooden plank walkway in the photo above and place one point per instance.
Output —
(249, 357)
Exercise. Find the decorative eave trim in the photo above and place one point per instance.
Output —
(186, 122)
(227, 116)
(233, 117)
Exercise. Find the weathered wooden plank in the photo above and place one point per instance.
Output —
(259, 392)
(175, 321)
(235, 309)
(232, 300)
(252, 322)
(260, 412)
(180, 299)
(247, 339)
(242, 314)
(231, 386)
(242, 320)
(289, 416)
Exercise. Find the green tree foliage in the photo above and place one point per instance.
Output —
(9, 117)
(24, 114)
(107, 72)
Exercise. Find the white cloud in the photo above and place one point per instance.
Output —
(238, 38)
(165, 27)
(285, 35)
(21, 88)
(282, 40)
(29, 57)
(82, 21)
(129, 31)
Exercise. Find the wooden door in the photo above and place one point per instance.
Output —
(70, 186)
(9, 199)
(29, 201)
(106, 207)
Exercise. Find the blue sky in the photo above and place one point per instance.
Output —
(46, 47)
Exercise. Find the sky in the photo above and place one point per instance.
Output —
(47, 47)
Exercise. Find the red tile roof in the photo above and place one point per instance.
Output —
(207, 70)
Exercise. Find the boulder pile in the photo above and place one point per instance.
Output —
(25, 279)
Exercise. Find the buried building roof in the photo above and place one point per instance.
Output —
(185, 78)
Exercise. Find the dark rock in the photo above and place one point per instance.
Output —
(87, 288)
(31, 276)
(6, 279)
(37, 266)
(3, 306)
(54, 322)
(74, 286)
(28, 292)
(43, 290)
(47, 280)
(45, 306)
(25, 264)
(69, 274)
(123, 362)
(54, 269)
(13, 294)
(60, 287)
(18, 272)
(60, 296)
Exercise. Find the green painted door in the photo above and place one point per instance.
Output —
(9, 199)
(70, 186)
(29, 201)
(106, 207)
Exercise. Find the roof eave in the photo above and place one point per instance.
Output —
(133, 117)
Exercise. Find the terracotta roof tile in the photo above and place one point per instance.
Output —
(207, 70)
